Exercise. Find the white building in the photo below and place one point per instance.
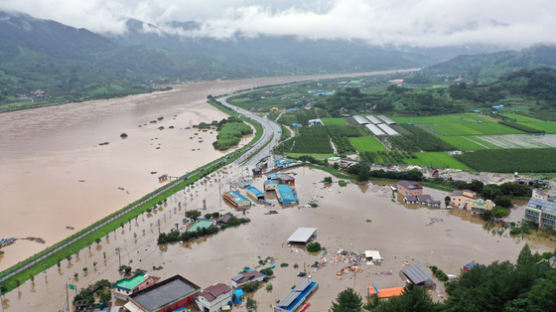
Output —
(214, 298)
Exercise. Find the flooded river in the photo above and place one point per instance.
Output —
(353, 218)
(54, 174)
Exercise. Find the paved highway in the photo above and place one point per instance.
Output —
(271, 131)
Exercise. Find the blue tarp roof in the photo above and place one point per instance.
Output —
(287, 194)
(255, 191)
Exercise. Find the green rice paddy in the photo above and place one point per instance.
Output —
(334, 121)
(468, 143)
(460, 124)
(367, 144)
(546, 126)
(437, 159)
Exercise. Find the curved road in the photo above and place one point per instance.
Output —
(270, 128)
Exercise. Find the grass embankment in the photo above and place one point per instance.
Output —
(86, 241)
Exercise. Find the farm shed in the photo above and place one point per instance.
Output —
(387, 120)
(165, 296)
(386, 128)
(360, 120)
(373, 119)
(375, 130)
(303, 235)
(415, 274)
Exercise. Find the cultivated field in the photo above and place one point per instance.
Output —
(511, 160)
(436, 159)
(460, 124)
(367, 144)
(329, 121)
(468, 142)
(546, 126)
(521, 140)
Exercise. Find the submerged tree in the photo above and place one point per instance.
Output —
(347, 301)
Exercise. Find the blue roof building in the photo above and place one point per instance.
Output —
(297, 296)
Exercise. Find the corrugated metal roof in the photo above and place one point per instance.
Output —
(303, 285)
(387, 120)
(416, 274)
(386, 128)
(373, 119)
(288, 299)
(302, 235)
(375, 130)
(360, 120)
(543, 204)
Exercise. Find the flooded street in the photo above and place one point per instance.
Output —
(54, 174)
(353, 218)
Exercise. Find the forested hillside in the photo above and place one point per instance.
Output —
(531, 92)
(488, 67)
(43, 61)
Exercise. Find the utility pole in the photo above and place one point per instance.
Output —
(67, 297)
(158, 226)
(119, 259)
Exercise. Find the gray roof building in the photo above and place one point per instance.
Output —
(416, 275)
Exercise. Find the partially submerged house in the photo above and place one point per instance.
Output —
(409, 188)
(467, 200)
(214, 298)
(246, 278)
(128, 285)
(425, 200)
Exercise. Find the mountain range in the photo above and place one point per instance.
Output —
(60, 63)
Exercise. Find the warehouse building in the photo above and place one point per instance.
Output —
(165, 296)
(415, 275)
(236, 199)
(286, 195)
(255, 193)
(297, 296)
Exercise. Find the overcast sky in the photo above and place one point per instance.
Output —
(509, 23)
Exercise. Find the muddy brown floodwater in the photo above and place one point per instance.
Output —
(353, 218)
(54, 173)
